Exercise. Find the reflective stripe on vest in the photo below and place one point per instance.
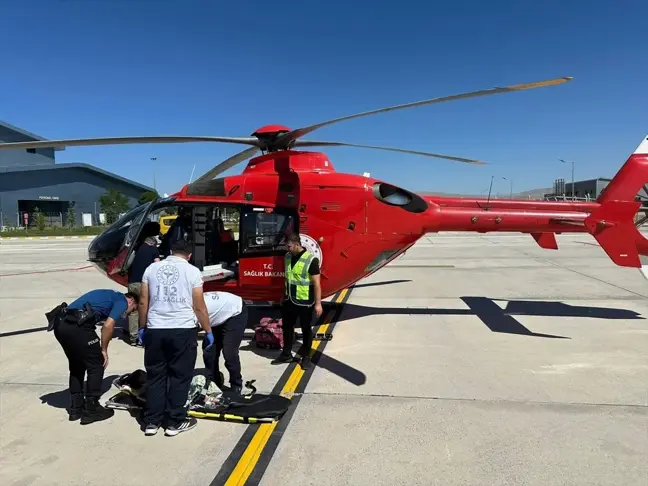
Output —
(298, 280)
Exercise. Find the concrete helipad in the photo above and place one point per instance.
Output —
(470, 360)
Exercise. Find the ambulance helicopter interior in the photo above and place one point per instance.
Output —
(220, 234)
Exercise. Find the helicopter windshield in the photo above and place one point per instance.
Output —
(127, 219)
(108, 243)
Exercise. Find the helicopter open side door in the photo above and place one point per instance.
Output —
(263, 246)
(135, 220)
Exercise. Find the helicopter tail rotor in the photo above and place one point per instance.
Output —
(616, 223)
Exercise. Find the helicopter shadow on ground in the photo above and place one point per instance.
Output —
(497, 319)
(378, 284)
(319, 359)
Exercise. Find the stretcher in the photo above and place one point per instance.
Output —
(205, 400)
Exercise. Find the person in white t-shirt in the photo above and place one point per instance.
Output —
(171, 297)
(228, 317)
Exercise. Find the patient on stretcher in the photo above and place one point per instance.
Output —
(205, 400)
(202, 395)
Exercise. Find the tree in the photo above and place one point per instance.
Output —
(71, 216)
(147, 196)
(112, 204)
(40, 219)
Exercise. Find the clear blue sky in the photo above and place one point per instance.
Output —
(73, 68)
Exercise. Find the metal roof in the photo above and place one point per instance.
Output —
(77, 166)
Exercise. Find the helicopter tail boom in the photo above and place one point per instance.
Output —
(613, 220)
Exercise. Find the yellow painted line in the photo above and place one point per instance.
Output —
(296, 376)
(253, 451)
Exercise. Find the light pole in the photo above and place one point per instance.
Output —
(572, 184)
(153, 159)
(511, 183)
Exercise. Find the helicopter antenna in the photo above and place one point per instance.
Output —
(192, 172)
(489, 191)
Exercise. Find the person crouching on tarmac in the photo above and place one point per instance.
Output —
(75, 332)
(228, 317)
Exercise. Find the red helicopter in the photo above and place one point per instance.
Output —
(354, 224)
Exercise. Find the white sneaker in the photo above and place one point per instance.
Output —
(151, 429)
(183, 426)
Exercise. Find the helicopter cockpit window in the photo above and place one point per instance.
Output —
(109, 243)
(395, 196)
(265, 231)
(125, 220)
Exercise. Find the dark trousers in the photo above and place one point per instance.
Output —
(82, 347)
(169, 359)
(290, 314)
(227, 338)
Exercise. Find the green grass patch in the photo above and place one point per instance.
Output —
(87, 231)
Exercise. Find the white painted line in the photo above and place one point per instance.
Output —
(20, 238)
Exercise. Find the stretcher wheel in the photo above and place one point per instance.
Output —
(323, 336)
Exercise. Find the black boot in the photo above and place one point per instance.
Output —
(94, 412)
(306, 363)
(283, 358)
(76, 407)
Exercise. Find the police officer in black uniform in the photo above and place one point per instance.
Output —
(74, 329)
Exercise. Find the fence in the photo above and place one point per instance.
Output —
(567, 198)
(19, 220)
(24, 220)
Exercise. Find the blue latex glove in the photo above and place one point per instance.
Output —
(140, 335)
(210, 340)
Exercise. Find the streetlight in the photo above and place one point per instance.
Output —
(153, 159)
(572, 164)
(511, 182)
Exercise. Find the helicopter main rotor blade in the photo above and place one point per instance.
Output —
(227, 164)
(287, 138)
(78, 142)
(310, 143)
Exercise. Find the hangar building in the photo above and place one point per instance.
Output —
(31, 179)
